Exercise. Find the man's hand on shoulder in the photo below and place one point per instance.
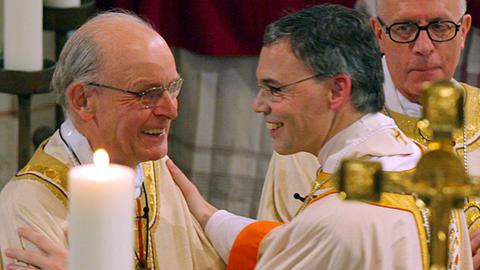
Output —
(199, 207)
(54, 257)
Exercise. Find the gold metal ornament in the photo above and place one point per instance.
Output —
(439, 181)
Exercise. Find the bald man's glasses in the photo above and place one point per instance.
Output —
(150, 97)
(407, 32)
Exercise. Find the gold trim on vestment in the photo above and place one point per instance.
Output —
(405, 202)
(408, 203)
(472, 113)
(420, 131)
(53, 175)
(150, 170)
(472, 214)
(48, 171)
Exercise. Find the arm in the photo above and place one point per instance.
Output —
(221, 227)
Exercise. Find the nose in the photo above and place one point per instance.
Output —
(166, 106)
(423, 45)
(259, 103)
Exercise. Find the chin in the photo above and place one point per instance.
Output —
(284, 151)
(152, 155)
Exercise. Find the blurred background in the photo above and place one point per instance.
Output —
(217, 139)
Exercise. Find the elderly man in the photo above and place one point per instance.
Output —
(316, 96)
(117, 81)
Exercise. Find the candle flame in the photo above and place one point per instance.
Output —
(101, 158)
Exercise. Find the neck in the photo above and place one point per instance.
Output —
(410, 97)
(341, 121)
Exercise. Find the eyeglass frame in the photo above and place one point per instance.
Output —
(421, 28)
(269, 90)
(140, 95)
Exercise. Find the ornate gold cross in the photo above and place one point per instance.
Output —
(439, 180)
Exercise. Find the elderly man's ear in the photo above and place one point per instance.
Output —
(80, 100)
(340, 87)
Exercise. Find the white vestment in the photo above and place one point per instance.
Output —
(292, 174)
(38, 198)
(331, 233)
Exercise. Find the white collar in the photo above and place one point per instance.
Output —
(82, 152)
(344, 142)
(339, 145)
(395, 100)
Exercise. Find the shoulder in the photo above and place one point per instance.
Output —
(351, 218)
(27, 196)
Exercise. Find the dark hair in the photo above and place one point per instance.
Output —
(332, 39)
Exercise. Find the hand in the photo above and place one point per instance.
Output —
(475, 243)
(54, 257)
(198, 206)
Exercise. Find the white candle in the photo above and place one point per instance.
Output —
(101, 215)
(23, 24)
(62, 3)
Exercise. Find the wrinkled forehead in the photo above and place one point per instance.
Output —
(128, 54)
(418, 10)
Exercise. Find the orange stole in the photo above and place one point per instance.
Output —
(244, 253)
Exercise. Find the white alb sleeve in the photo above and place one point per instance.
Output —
(223, 228)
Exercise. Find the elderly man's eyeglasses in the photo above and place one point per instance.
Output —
(406, 32)
(151, 96)
(275, 94)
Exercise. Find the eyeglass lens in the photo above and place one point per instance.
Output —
(152, 96)
(437, 31)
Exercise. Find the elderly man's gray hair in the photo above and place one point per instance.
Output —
(81, 58)
(380, 4)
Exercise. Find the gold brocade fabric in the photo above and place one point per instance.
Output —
(472, 214)
(150, 169)
(405, 202)
(48, 171)
(52, 174)
(420, 131)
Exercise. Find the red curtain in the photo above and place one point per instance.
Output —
(473, 8)
(214, 27)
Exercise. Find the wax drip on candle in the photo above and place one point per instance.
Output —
(101, 158)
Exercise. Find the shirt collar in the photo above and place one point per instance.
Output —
(395, 100)
(353, 134)
(83, 154)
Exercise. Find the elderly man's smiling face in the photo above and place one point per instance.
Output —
(139, 59)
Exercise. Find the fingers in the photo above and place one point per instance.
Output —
(40, 240)
(18, 267)
(26, 256)
(180, 179)
(198, 206)
(475, 241)
(54, 257)
(64, 226)
(476, 261)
